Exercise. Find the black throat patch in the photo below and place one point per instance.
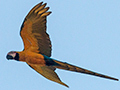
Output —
(17, 57)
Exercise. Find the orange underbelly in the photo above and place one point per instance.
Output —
(36, 60)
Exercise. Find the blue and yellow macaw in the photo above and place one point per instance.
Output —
(37, 47)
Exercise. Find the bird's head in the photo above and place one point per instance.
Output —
(13, 55)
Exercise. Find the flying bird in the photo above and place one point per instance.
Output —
(37, 47)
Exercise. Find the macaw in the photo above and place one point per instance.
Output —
(37, 47)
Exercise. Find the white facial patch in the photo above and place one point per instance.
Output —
(12, 54)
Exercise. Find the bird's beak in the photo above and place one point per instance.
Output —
(9, 57)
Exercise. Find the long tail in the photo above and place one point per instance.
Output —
(66, 66)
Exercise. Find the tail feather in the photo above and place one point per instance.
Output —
(66, 66)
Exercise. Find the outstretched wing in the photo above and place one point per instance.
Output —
(33, 30)
(48, 72)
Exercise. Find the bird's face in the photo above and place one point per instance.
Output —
(13, 55)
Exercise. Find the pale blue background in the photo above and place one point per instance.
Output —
(85, 33)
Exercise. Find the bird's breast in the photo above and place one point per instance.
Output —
(35, 59)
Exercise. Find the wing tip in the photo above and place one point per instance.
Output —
(64, 84)
(44, 4)
(41, 2)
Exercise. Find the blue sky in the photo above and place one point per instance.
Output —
(85, 33)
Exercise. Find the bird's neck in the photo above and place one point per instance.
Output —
(21, 56)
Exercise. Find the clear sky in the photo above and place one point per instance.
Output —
(85, 33)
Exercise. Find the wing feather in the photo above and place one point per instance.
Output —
(33, 30)
(48, 72)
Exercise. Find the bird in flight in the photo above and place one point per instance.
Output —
(37, 47)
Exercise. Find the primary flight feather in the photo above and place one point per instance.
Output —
(37, 47)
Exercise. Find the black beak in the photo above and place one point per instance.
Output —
(9, 57)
